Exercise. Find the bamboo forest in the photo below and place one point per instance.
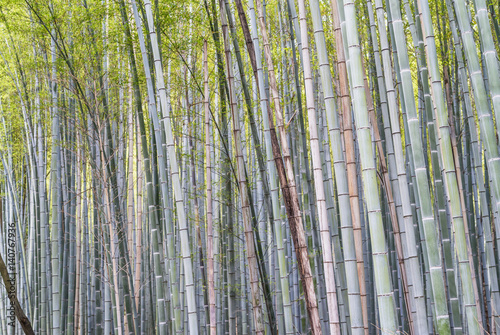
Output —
(249, 167)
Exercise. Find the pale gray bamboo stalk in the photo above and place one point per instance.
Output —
(44, 326)
(208, 171)
(130, 179)
(174, 172)
(215, 156)
(78, 222)
(138, 225)
(56, 299)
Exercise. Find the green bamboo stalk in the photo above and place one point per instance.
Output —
(56, 312)
(174, 172)
(462, 245)
(382, 276)
(158, 260)
(477, 160)
(482, 107)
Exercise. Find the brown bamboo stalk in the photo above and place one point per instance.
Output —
(11, 292)
(346, 129)
(287, 182)
(326, 244)
(242, 184)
